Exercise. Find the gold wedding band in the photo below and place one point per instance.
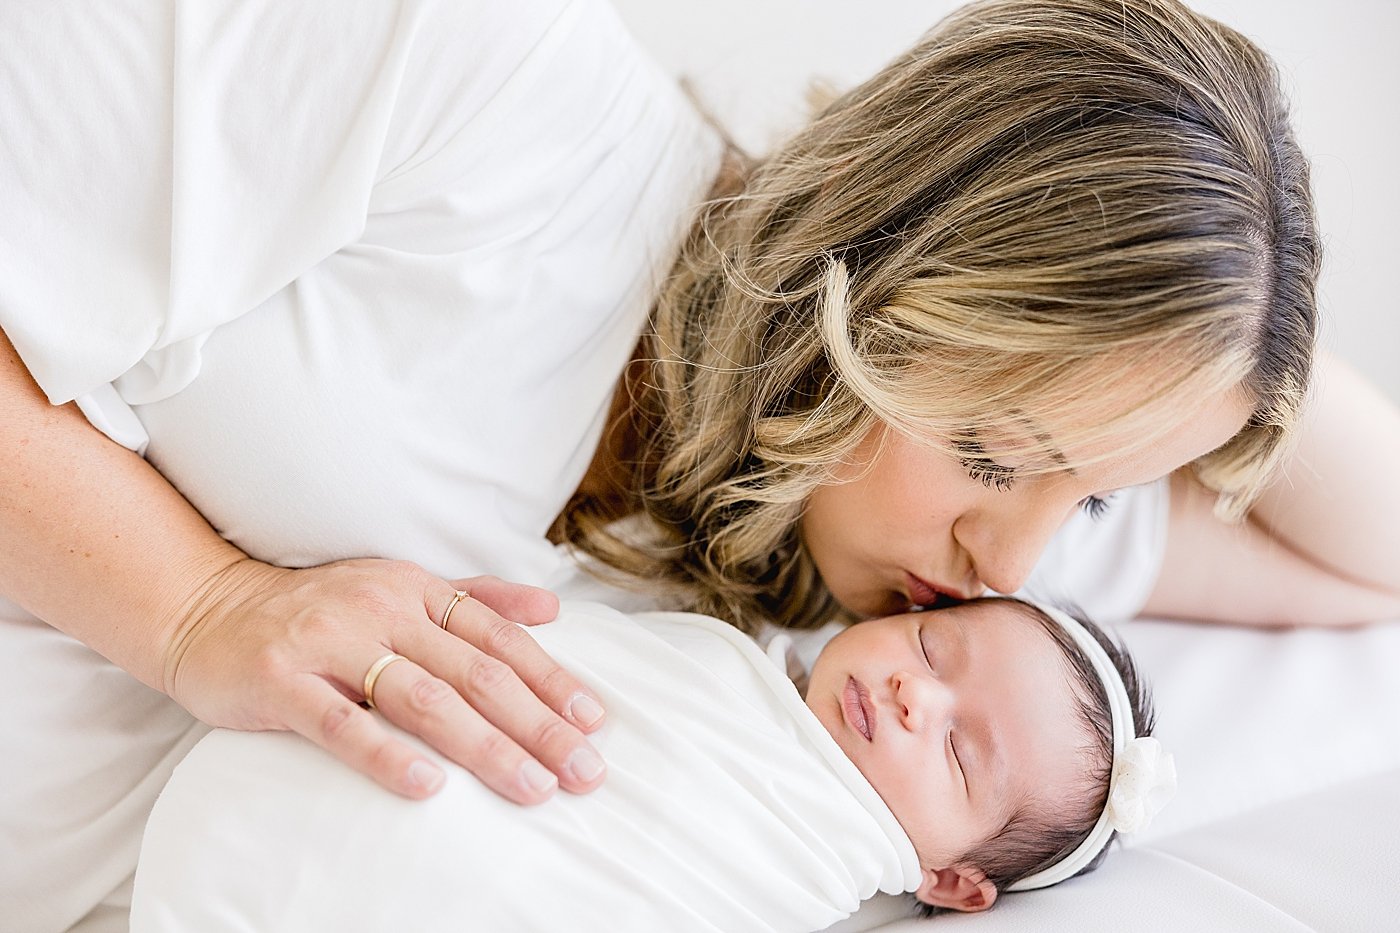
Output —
(457, 597)
(372, 675)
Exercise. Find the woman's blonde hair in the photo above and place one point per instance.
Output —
(1037, 199)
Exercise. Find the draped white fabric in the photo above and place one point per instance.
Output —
(727, 807)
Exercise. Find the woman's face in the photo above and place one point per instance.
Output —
(903, 521)
(956, 718)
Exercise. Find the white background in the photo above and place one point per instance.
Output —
(752, 61)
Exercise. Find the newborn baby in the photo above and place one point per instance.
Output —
(951, 754)
(987, 731)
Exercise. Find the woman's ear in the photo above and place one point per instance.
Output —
(965, 889)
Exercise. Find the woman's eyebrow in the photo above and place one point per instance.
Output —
(1044, 439)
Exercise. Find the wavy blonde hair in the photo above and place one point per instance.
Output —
(1033, 201)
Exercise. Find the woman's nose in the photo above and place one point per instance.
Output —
(1005, 547)
(921, 701)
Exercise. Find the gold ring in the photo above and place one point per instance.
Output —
(457, 597)
(372, 675)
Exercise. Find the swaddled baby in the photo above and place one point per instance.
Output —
(990, 731)
(944, 753)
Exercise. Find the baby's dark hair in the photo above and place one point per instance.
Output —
(1035, 836)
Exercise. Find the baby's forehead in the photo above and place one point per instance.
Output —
(1005, 619)
(1034, 707)
(1002, 611)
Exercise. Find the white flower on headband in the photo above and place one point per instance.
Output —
(1144, 779)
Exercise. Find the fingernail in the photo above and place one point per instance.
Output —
(537, 777)
(585, 710)
(425, 776)
(585, 764)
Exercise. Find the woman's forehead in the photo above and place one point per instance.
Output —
(1133, 430)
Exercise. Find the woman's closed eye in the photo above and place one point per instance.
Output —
(1096, 506)
(983, 468)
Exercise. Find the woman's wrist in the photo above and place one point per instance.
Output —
(227, 582)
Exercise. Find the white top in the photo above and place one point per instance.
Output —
(1107, 566)
(381, 314)
(359, 276)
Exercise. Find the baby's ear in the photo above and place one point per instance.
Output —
(965, 889)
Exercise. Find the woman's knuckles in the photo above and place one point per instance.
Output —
(556, 687)
(430, 697)
(555, 734)
(274, 661)
(486, 675)
(501, 639)
(496, 750)
(336, 723)
(375, 598)
(386, 760)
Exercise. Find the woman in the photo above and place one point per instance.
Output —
(365, 294)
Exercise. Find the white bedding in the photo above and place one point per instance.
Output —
(727, 807)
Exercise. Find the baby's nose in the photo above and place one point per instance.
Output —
(920, 701)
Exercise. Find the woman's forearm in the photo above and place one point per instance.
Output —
(1240, 573)
(1321, 547)
(92, 539)
(1338, 504)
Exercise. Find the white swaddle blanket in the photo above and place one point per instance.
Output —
(727, 807)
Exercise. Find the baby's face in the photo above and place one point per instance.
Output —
(956, 717)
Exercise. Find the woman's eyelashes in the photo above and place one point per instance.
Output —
(1096, 506)
(981, 467)
(999, 476)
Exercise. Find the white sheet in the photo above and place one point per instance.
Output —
(727, 807)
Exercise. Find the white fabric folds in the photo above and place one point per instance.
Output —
(727, 807)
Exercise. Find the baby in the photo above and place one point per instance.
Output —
(953, 753)
(992, 730)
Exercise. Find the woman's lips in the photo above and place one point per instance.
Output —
(924, 593)
(859, 711)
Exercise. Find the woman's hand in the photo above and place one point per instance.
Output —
(263, 647)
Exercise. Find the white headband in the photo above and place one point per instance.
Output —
(1143, 778)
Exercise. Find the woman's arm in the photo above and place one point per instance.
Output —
(94, 541)
(1321, 547)
(1338, 503)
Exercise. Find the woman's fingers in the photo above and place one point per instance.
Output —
(431, 708)
(485, 621)
(325, 716)
(505, 678)
(518, 602)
